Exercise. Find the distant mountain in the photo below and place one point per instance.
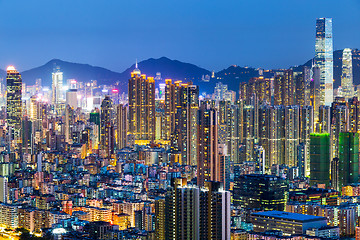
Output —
(338, 66)
(80, 72)
(233, 75)
(168, 68)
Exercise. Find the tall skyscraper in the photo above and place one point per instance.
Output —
(122, 125)
(106, 127)
(141, 106)
(208, 165)
(14, 106)
(347, 74)
(185, 136)
(57, 85)
(324, 59)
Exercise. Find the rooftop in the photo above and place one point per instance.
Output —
(289, 216)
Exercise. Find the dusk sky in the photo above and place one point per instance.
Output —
(211, 34)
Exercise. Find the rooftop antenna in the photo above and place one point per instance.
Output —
(136, 64)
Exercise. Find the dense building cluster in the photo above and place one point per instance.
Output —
(278, 160)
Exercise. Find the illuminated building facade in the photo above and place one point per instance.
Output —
(261, 192)
(324, 59)
(107, 127)
(141, 106)
(14, 106)
(347, 74)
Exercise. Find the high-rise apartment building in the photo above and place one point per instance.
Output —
(14, 106)
(324, 59)
(347, 74)
(107, 127)
(184, 139)
(141, 106)
(122, 126)
(208, 167)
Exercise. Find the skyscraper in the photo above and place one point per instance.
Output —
(57, 85)
(185, 136)
(324, 59)
(141, 106)
(208, 165)
(14, 106)
(107, 129)
(347, 74)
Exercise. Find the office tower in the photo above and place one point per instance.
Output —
(259, 191)
(72, 98)
(141, 106)
(324, 59)
(122, 125)
(292, 134)
(224, 164)
(348, 158)
(347, 74)
(196, 213)
(57, 85)
(14, 106)
(208, 164)
(185, 137)
(107, 127)
(319, 158)
(354, 114)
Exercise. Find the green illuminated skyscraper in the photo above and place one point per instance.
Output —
(319, 158)
(348, 158)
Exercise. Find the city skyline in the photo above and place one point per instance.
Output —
(212, 40)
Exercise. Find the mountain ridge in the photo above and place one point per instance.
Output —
(168, 68)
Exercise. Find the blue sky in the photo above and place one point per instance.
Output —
(212, 34)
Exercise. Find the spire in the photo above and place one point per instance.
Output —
(136, 70)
